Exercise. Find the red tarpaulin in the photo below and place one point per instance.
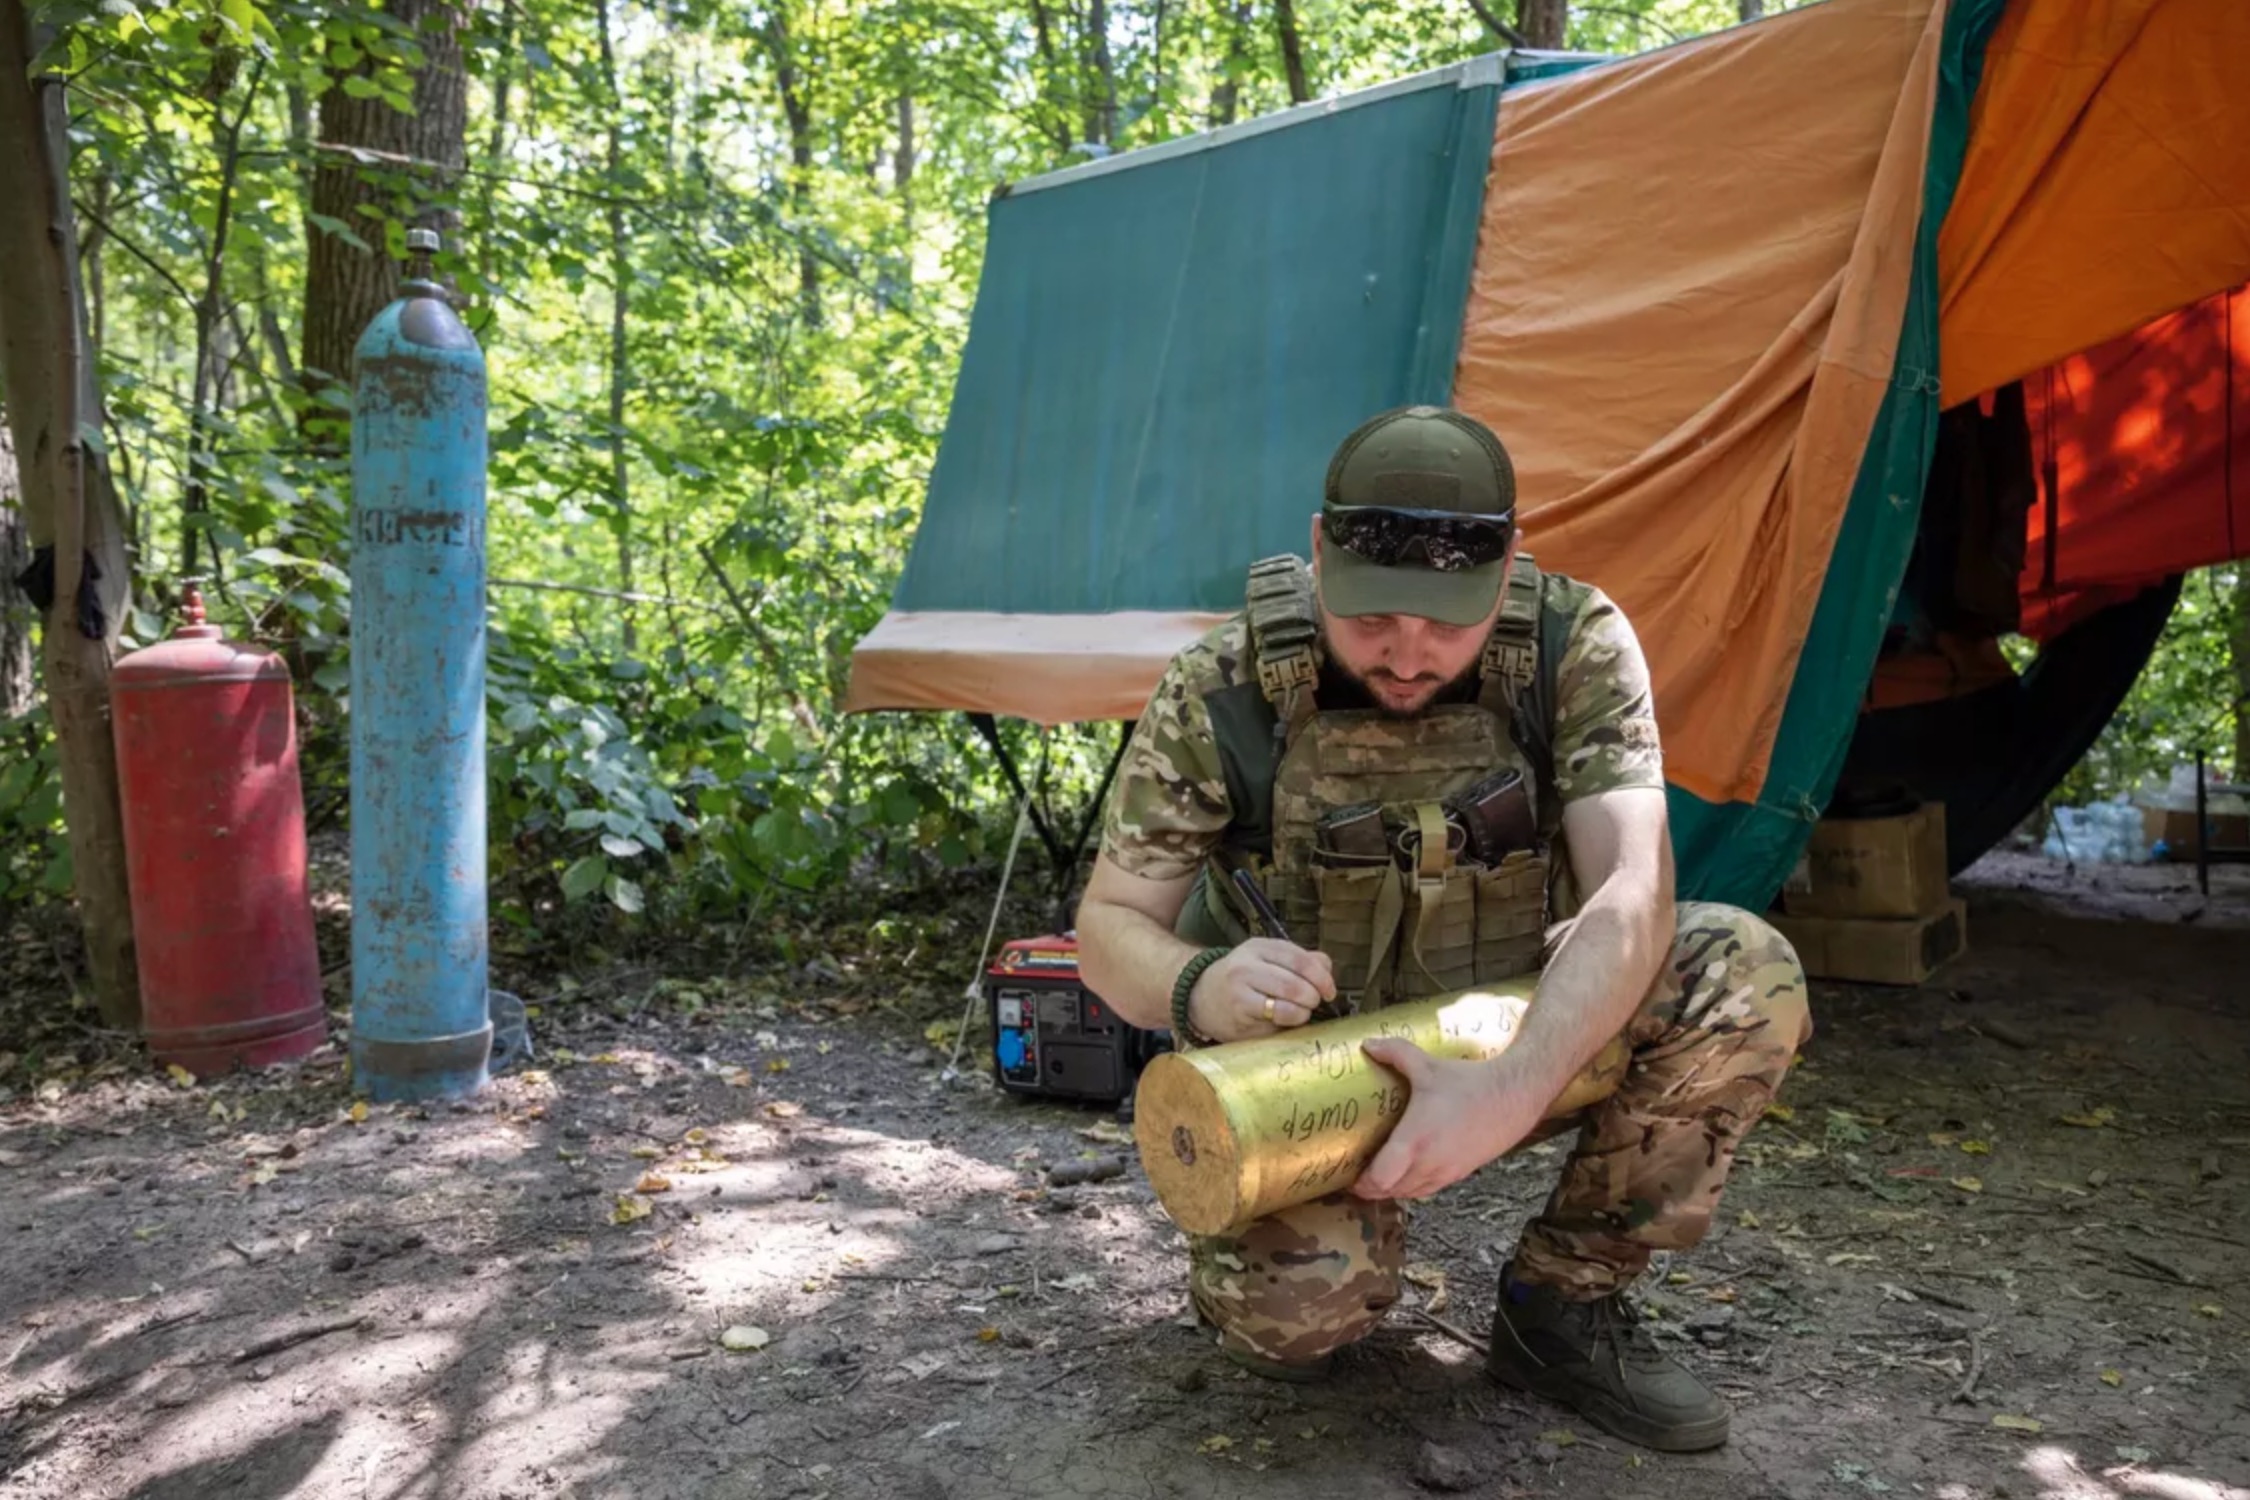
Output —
(2143, 446)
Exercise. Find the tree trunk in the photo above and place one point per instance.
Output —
(902, 177)
(1751, 10)
(496, 147)
(346, 286)
(69, 505)
(211, 313)
(1292, 50)
(1226, 94)
(1545, 24)
(1054, 121)
(15, 609)
(1101, 100)
(799, 115)
(620, 305)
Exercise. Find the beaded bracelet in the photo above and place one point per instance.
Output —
(1183, 990)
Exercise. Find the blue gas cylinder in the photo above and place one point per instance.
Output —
(420, 1022)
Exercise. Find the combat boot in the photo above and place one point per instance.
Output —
(1596, 1358)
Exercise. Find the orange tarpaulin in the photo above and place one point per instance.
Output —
(1682, 321)
(2146, 441)
(1682, 317)
(2107, 181)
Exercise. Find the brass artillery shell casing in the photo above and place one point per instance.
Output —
(1232, 1133)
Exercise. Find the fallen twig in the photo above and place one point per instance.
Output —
(2167, 1278)
(159, 1325)
(1941, 1299)
(47, 1402)
(2002, 1032)
(1055, 1380)
(2205, 1234)
(1442, 1326)
(294, 1337)
(1976, 1367)
(2165, 1267)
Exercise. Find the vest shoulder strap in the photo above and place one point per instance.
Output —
(1521, 667)
(1252, 719)
(1284, 629)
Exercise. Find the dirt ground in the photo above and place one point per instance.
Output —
(1990, 1247)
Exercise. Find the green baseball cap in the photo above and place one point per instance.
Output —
(1416, 517)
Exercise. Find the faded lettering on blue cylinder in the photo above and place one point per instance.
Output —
(420, 1008)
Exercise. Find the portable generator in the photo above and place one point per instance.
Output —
(1052, 1037)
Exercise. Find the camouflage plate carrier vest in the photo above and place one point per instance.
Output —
(1423, 919)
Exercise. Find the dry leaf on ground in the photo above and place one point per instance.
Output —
(630, 1208)
(1430, 1278)
(2018, 1424)
(744, 1338)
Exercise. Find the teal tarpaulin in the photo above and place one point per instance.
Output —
(1162, 358)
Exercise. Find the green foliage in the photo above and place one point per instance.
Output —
(34, 857)
(2186, 699)
(794, 212)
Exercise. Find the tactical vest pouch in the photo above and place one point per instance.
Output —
(1511, 916)
(1205, 920)
(1441, 948)
(1360, 909)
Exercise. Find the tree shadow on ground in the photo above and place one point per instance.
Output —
(938, 1322)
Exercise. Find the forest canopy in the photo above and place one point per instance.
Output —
(720, 258)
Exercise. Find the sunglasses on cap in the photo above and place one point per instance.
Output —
(1445, 541)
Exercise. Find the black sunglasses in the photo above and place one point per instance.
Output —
(1443, 540)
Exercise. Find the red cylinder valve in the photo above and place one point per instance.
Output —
(206, 736)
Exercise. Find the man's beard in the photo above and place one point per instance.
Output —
(1444, 691)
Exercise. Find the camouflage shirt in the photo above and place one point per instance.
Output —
(1169, 808)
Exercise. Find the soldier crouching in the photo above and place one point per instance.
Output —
(1440, 767)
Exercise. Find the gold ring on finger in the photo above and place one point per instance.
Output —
(1269, 1008)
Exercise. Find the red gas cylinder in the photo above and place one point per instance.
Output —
(215, 851)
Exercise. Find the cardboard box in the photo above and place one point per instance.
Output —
(2178, 832)
(1878, 950)
(1872, 867)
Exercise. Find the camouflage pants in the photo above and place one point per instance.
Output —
(1711, 1042)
